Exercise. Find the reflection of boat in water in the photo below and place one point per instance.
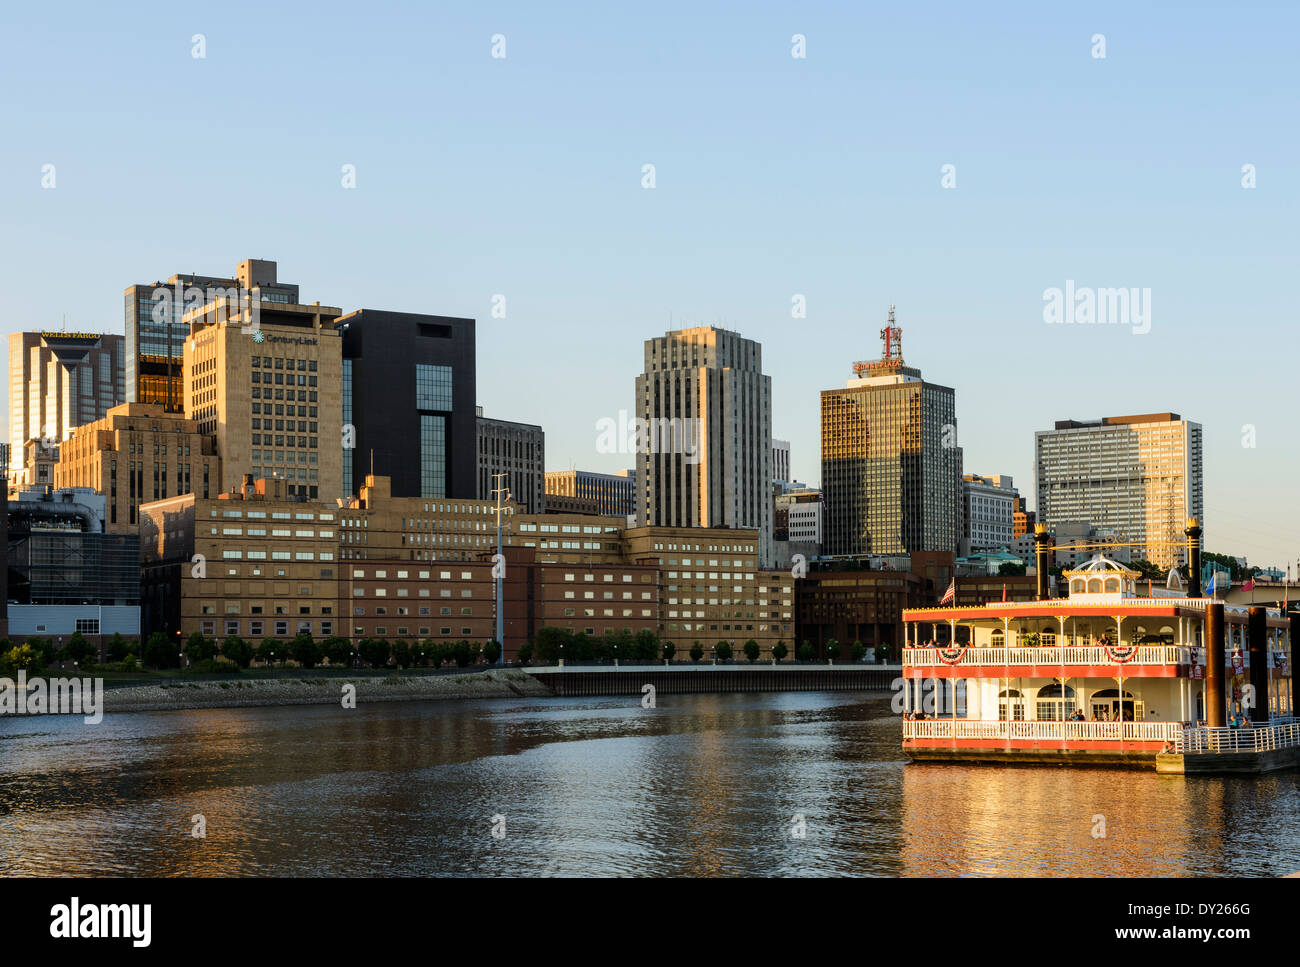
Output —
(1102, 676)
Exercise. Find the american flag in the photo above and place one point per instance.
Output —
(950, 595)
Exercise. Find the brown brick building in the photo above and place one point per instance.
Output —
(136, 454)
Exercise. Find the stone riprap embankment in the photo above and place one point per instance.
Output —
(236, 693)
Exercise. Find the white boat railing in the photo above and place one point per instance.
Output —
(1043, 731)
(1049, 655)
(1261, 738)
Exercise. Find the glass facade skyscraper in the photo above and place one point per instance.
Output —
(891, 467)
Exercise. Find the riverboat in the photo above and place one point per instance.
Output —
(1103, 676)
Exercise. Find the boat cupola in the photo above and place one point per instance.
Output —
(1102, 579)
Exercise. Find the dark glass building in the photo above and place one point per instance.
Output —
(408, 403)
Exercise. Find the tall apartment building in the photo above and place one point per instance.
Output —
(707, 411)
(58, 381)
(409, 395)
(891, 467)
(156, 330)
(612, 494)
(136, 454)
(269, 389)
(519, 451)
(988, 512)
(1135, 475)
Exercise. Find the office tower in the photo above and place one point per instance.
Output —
(611, 494)
(408, 393)
(58, 381)
(781, 460)
(988, 512)
(706, 412)
(519, 451)
(156, 331)
(136, 454)
(1135, 475)
(269, 388)
(891, 467)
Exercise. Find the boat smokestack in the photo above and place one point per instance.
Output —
(1040, 561)
(1257, 640)
(1193, 533)
(1215, 704)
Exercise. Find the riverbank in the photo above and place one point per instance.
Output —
(236, 693)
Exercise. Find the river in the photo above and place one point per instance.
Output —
(784, 784)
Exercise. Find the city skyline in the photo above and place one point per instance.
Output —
(1105, 172)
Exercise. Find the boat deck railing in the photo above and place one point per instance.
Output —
(1194, 740)
(1260, 738)
(1050, 655)
(1042, 731)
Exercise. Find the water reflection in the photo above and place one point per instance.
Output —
(704, 785)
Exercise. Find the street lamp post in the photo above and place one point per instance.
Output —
(498, 566)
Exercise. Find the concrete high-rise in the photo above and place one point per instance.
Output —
(1139, 476)
(268, 387)
(891, 467)
(156, 331)
(57, 382)
(408, 394)
(705, 459)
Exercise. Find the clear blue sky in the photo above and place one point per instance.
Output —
(775, 176)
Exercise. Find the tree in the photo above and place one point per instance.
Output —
(492, 651)
(198, 648)
(833, 649)
(669, 650)
(304, 650)
(374, 651)
(751, 650)
(237, 650)
(779, 651)
(117, 648)
(723, 651)
(525, 654)
(159, 652)
(696, 652)
(401, 653)
(434, 652)
(463, 652)
(21, 658)
(646, 645)
(807, 652)
(338, 650)
(77, 648)
(1010, 569)
(551, 644)
(267, 650)
(858, 651)
(884, 650)
(1148, 571)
